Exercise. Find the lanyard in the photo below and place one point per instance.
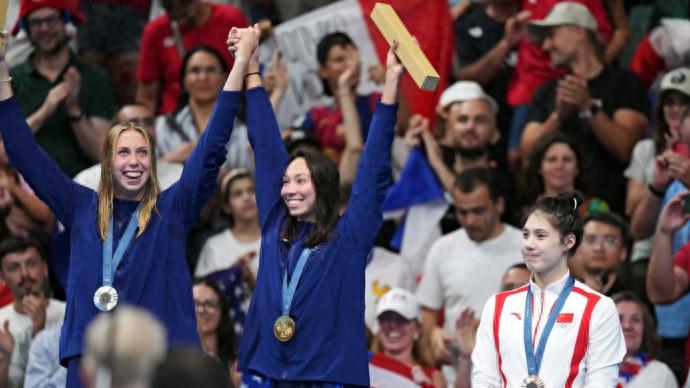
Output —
(289, 289)
(534, 358)
(111, 262)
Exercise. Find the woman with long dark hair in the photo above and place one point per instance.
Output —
(554, 331)
(213, 321)
(127, 240)
(306, 319)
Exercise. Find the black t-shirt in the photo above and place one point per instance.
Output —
(616, 89)
(475, 35)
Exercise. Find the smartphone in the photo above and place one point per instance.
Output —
(682, 148)
(686, 204)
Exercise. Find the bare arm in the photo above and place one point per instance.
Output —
(636, 191)
(666, 283)
(418, 129)
(619, 133)
(535, 130)
(621, 33)
(37, 209)
(643, 219)
(352, 127)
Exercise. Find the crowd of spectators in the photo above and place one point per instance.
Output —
(545, 96)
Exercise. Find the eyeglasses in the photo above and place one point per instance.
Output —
(206, 304)
(50, 21)
(608, 241)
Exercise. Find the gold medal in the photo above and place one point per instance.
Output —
(284, 328)
(533, 382)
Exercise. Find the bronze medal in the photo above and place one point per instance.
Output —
(284, 328)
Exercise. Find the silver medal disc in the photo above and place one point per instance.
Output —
(105, 298)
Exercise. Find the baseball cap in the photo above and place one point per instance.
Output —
(678, 79)
(400, 301)
(28, 6)
(565, 13)
(464, 91)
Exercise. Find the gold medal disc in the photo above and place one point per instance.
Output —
(284, 328)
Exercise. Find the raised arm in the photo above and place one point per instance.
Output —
(198, 178)
(369, 188)
(39, 170)
(264, 136)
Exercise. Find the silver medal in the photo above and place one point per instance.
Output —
(105, 298)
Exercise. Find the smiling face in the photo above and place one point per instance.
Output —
(543, 249)
(561, 43)
(559, 168)
(396, 333)
(203, 77)
(632, 323)
(472, 124)
(131, 166)
(208, 309)
(298, 190)
(673, 103)
(46, 30)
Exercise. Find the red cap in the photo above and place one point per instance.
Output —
(28, 6)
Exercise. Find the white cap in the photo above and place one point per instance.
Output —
(465, 91)
(565, 13)
(400, 301)
(678, 79)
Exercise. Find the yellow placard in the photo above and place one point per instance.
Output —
(411, 56)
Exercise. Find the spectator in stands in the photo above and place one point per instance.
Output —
(339, 69)
(603, 253)
(585, 103)
(166, 39)
(468, 132)
(24, 269)
(213, 321)
(557, 164)
(640, 369)
(203, 72)
(399, 341)
(141, 115)
(533, 69)
(67, 103)
(189, 367)
(238, 244)
(667, 274)
(654, 163)
(122, 349)
(460, 265)
(486, 39)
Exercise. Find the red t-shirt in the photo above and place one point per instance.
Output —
(534, 65)
(682, 260)
(160, 61)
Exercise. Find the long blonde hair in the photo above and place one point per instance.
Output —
(105, 190)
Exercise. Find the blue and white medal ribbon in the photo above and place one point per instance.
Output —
(106, 296)
(284, 327)
(534, 358)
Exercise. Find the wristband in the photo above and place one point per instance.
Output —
(656, 192)
(252, 73)
(76, 117)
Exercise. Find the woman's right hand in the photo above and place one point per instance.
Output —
(243, 43)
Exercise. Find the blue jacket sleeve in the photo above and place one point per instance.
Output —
(363, 216)
(42, 173)
(269, 151)
(198, 179)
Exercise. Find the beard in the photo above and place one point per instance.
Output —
(51, 51)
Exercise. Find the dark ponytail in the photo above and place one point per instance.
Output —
(561, 212)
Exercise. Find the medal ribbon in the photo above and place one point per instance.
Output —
(534, 358)
(110, 263)
(289, 289)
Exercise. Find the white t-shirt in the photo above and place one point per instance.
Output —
(386, 270)
(168, 173)
(584, 348)
(222, 250)
(656, 374)
(20, 327)
(641, 169)
(461, 273)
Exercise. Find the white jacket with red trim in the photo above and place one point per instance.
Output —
(584, 349)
